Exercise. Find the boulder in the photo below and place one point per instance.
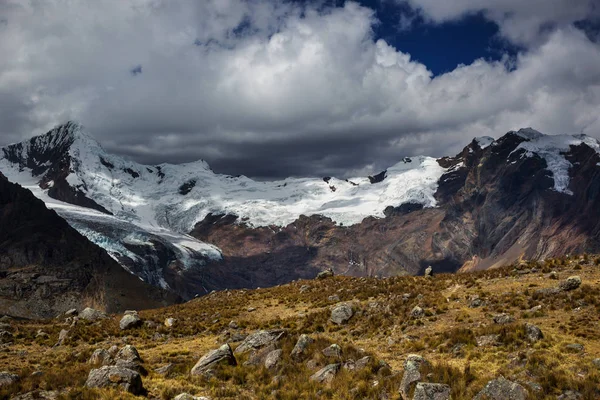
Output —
(502, 389)
(258, 357)
(170, 322)
(325, 274)
(431, 391)
(301, 346)
(100, 357)
(417, 312)
(412, 373)
(429, 272)
(130, 320)
(571, 283)
(71, 313)
(534, 333)
(117, 377)
(488, 340)
(362, 363)
(7, 379)
(165, 369)
(326, 374)
(341, 313)
(259, 339)
(334, 298)
(332, 351)
(503, 319)
(62, 336)
(128, 353)
(91, 314)
(222, 355)
(273, 359)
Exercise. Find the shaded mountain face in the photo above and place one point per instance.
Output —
(189, 230)
(47, 267)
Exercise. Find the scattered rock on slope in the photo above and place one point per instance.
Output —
(502, 389)
(326, 374)
(571, 283)
(91, 314)
(130, 320)
(431, 391)
(259, 339)
(7, 379)
(341, 313)
(412, 373)
(301, 346)
(222, 355)
(112, 376)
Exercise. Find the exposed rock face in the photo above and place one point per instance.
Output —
(431, 391)
(502, 389)
(47, 267)
(341, 314)
(222, 355)
(112, 376)
(259, 339)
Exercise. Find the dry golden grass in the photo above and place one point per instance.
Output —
(381, 327)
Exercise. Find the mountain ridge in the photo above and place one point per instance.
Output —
(189, 230)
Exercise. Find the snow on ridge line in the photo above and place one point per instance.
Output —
(551, 149)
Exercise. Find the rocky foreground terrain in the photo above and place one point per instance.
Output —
(527, 331)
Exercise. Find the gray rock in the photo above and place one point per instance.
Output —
(233, 325)
(100, 357)
(128, 353)
(326, 374)
(301, 346)
(132, 365)
(117, 377)
(187, 396)
(488, 340)
(170, 322)
(312, 364)
(502, 389)
(91, 314)
(165, 370)
(260, 339)
(362, 363)
(258, 357)
(571, 283)
(503, 319)
(547, 291)
(71, 313)
(325, 274)
(334, 298)
(341, 313)
(429, 271)
(332, 351)
(7, 379)
(431, 391)
(570, 395)
(476, 302)
(412, 373)
(222, 355)
(534, 333)
(596, 362)
(304, 288)
(237, 337)
(553, 275)
(62, 336)
(273, 359)
(129, 321)
(417, 312)
(575, 347)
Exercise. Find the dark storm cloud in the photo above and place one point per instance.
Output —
(272, 89)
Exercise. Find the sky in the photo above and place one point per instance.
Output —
(273, 88)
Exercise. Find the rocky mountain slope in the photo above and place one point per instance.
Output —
(527, 331)
(189, 230)
(47, 267)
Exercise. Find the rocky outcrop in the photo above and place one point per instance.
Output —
(118, 377)
(222, 355)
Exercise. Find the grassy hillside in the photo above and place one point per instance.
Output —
(453, 328)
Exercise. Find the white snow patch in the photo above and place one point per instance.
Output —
(484, 141)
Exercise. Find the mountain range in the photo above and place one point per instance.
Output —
(186, 230)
